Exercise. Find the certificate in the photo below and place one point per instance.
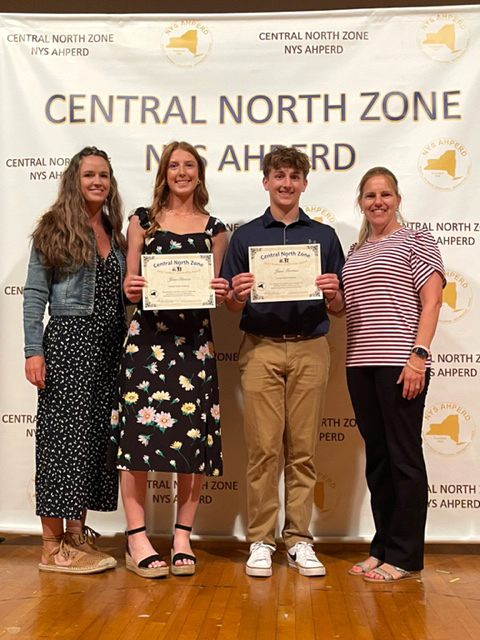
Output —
(285, 272)
(182, 281)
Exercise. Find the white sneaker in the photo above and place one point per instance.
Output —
(259, 563)
(302, 557)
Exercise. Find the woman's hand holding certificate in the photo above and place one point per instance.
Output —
(182, 281)
(133, 287)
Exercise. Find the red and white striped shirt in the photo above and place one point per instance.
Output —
(382, 281)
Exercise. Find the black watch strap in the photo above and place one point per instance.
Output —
(421, 352)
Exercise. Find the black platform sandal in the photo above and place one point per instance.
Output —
(142, 569)
(182, 569)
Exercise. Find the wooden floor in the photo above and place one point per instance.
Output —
(221, 603)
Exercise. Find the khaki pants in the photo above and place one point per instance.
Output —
(284, 383)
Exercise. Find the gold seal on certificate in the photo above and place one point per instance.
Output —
(285, 272)
(182, 281)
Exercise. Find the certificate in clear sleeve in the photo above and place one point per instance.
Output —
(182, 281)
(285, 272)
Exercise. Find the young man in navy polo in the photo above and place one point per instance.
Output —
(284, 361)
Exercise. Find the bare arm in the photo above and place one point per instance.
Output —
(238, 295)
(431, 298)
(219, 248)
(134, 282)
(330, 285)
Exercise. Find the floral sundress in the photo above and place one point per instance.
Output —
(168, 414)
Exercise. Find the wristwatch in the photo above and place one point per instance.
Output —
(421, 352)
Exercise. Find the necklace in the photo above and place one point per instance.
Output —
(98, 229)
(177, 214)
(381, 238)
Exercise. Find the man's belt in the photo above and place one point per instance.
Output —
(288, 337)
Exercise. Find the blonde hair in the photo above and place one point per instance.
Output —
(161, 194)
(366, 228)
(63, 234)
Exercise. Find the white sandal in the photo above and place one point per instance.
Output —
(365, 567)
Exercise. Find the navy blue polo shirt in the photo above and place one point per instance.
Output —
(308, 317)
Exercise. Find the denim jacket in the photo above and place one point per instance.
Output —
(67, 294)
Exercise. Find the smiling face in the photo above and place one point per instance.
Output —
(182, 173)
(285, 186)
(379, 202)
(94, 181)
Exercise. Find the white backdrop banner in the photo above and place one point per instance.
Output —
(353, 89)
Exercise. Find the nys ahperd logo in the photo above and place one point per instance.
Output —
(444, 164)
(457, 298)
(31, 492)
(186, 43)
(443, 37)
(448, 429)
(320, 214)
(325, 494)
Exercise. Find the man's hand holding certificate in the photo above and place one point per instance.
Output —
(285, 272)
(181, 281)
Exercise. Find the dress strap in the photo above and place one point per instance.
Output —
(144, 216)
(214, 226)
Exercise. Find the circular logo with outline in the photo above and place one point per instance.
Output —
(443, 37)
(186, 43)
(320, 214)
(325, 495)
(457, 298)
(448, 429)
(444, 164)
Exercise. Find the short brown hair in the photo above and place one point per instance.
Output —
(286, 157)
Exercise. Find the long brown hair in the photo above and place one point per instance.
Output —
(366, 228)
(63, 234)
(161, 193)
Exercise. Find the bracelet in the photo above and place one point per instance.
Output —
(328, 300)
(220, 304)
(410, 365)
(238, 299)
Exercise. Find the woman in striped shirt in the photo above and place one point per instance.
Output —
(393, 280)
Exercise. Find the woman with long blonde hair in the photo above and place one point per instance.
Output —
(168, 418)
(76, 267)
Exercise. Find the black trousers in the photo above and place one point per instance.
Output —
(396, 475)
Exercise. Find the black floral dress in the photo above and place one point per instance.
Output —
(73, 416)
(168, 415)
